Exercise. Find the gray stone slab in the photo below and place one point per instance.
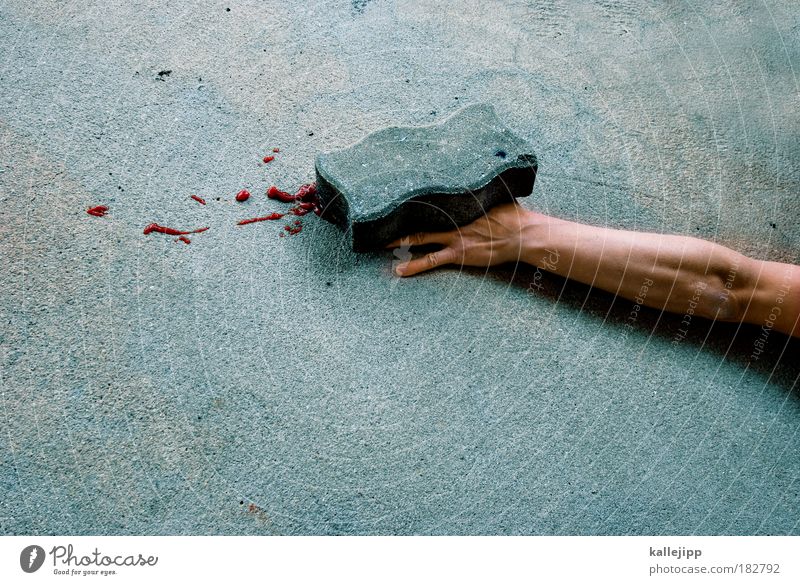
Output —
(398, 181)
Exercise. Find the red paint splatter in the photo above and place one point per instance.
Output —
(274, 193)
(270, 217)
(267, 159)
(200, 200)
(154, 227)
(243, 195)
(98, 211)
(276, 150)
(305, 200)
(184, 239)
(307, 195)
(307, 192)
(298, 211)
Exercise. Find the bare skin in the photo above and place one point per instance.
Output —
(666, 272)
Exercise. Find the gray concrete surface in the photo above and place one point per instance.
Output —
(253, 384)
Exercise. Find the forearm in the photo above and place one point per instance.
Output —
(667, 272)
(671, 273)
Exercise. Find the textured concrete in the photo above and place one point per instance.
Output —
(248, 383)
(398, 181)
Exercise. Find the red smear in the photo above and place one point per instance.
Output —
(299, 211)
(98, 211)
(184, 239)
(293, 229)
(243, 195)
(276, 150)
(267, 159)
(200, 200)
(307, 195)
(305, 201)
(154, 227)
(274, 193)
(270, 217)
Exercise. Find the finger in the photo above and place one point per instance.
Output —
(426, 262)
(422, 238)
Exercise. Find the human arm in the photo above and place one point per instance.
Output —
(679, 272)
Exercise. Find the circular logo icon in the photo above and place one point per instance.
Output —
(31, 558)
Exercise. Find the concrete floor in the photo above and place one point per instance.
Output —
(252, 384)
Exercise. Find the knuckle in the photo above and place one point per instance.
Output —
(432, 260)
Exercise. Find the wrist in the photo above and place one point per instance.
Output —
(534, 236)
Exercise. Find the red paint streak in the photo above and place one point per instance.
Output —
(274, 193)
(270, 217)
(98, 211)
(276, 150)
(243, 195)
(184, 239)
(267, 159)
(200, 200)
(154, 227)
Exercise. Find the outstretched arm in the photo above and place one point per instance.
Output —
(671, 273)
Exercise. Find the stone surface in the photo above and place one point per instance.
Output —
(399, 181)
(147, 386)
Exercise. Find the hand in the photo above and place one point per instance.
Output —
(492, 239)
